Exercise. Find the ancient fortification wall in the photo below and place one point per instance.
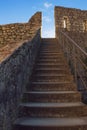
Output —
(72, 21)
(21, 44)
(13, 35)
(75, 19)
(19, 31)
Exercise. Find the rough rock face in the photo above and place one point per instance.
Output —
(17, 57)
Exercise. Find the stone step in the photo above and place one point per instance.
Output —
(49, 40)
(54, 55)
(52, 42)
(51, 47)
(27, 123)
(74, 109)
(35, 79)
(50, 54)
(52, 77)
(50, 57)
(49, 43)
(53, 65)
(46, 43)
(52, 86)
(50, 51)
(51, 96)
(51, 61)
(52, 70)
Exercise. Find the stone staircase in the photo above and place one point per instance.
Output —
(51, 101)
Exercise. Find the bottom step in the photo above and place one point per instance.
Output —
(51, 124)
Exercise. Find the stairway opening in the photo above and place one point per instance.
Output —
(48, 27)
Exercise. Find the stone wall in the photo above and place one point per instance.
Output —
(80, 38)
(16, 65)
(73, 22)
(13, 35)
(19, 31)
(74, 19)
(14, 76)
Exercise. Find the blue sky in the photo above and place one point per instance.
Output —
(17, 11)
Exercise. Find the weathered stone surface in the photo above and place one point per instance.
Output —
(76, 29)
(75, 19)
(76, 24)
(19, 31)
(17, 57)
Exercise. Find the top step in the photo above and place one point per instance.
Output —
(49, 40)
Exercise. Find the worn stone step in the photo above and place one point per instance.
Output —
(50, 48)
(52, 65)
(56, 46)
(64, 86)
(50, 57)
(53, 77)
(50, 54)
(57, 59)
(53, 43)
(49, 40)
(62, 61)
(52, 70)
(34, 79)
(27, 123)
(51, 96)
(50, 44)
(74, 109)
(50, 51)
(45, 45)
